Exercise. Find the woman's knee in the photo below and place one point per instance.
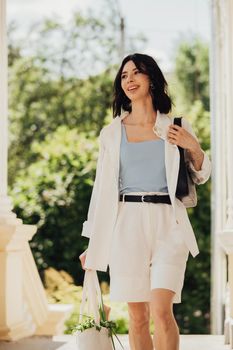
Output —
(162, 317)
(139, 314)
(161, 309)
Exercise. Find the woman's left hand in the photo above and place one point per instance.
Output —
(181, 137)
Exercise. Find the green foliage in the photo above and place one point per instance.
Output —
(192, 72)
(193, 315)
(60, 288)
(39, 105)
(194, 312)
(53, 193)
(91, 323)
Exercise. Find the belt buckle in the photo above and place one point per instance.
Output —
(143, 200)
(150, 199)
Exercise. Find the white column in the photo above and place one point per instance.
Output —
(229, 109)
(6, 206)
(218, 198)
(226, 237)
(221, 82)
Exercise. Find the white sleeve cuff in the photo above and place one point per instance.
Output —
(202, 175)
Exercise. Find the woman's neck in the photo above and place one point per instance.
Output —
(142, 113)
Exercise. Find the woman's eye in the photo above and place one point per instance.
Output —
(123, 76)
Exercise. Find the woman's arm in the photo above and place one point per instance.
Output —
(196, 156)
(198, 161)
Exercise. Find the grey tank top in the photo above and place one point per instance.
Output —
(142, 165)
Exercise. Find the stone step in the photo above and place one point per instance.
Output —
(67, 342)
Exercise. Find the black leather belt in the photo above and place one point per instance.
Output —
(148, 198)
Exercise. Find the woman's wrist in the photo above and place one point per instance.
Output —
(195, 152)
(196, 156)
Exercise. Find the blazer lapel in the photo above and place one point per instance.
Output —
(114, 141)
(172, 155)
(172, 161)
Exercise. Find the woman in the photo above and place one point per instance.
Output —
(135, 223)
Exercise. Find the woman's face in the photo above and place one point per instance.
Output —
(134, 83)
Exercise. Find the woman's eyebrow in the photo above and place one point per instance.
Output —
(127, 72)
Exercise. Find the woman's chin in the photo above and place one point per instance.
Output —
(137, 98)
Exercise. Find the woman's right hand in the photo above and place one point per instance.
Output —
(82, 258)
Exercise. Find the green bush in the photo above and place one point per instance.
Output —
(53, 193)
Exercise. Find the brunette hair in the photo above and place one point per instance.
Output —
(147, 65)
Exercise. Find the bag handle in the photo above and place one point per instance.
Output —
(91, 295)
(182, 188)
(178, 121)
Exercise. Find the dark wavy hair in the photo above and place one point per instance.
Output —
(147, 65)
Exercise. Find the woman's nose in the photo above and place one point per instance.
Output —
(130, 78)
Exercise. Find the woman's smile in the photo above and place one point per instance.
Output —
(132, 88)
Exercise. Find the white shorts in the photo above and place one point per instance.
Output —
(147, 252)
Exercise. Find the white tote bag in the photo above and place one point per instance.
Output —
(91, 338)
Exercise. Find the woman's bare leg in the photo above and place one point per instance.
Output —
(166, 335)
(139, 322)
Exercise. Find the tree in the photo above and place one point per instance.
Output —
(38, 105)
(192, 72)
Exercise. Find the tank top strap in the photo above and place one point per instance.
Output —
(123, 132)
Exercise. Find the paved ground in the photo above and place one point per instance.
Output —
(67, 342)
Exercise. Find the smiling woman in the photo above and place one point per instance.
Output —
(141, 230)
(136, 77)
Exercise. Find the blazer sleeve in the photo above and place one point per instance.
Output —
(87, 225)
(198, 176)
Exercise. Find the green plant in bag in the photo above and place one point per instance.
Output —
(90, 323)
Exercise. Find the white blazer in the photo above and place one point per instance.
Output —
(103, 207)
